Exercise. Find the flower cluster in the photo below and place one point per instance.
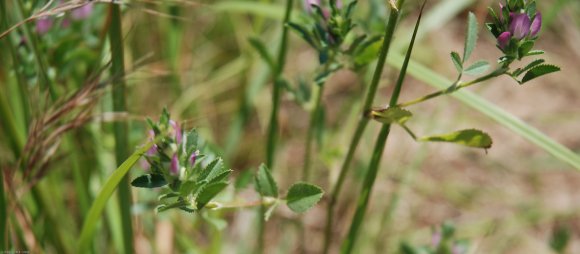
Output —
(329, 29)
(516, 27)
(175, 161)
(172, 153)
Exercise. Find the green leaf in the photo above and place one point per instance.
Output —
(368, 52)
(560, 238)
(303, 196)
(535, 52)
(303, 32)
(149, 181)
(471, 138)
(187, 188)
(208, 193)
(471, 38)
(531, 65)
(265, 183)
(391, 115)
(525, 48)
(538, 71)
(457, 61)
(214, 170)
(263, 51)
(477, 68)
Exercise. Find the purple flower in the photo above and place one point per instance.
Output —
(536, 25)
(177, 130)
(436, 238)
(503, 40)
(519, 25)
(308, 4)
(174, 165)
(192, 158)
(82, 12)
(43, 25)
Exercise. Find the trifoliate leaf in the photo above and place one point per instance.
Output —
(149, 181)
(391, 115)
(471, 138)
(538, 71)
(265, 184)
(303, 196)
(477, 68)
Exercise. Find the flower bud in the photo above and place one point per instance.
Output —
(174, 165)
(536, 25)
(177, 131)
(503, 40)
(519, 25)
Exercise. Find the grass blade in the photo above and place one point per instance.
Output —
(101, 200)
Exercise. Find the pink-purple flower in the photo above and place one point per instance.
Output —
(43, 25)
(82, 12)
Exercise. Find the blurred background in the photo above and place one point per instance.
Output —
(194, 58)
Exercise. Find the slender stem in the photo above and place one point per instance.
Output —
(3, 214)
(120, 127)
(371, 175)
(364, 196)
(370, 95)
(455, 86)
(314, 115)
(276, 93)
(273, 125)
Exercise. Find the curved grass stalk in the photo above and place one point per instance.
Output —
(100, 201)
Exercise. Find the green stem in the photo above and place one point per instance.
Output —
(3, 214)
(120, 127)
(371, 175)
(276, 93)
(273, 125)
(370, 95)
(314, 115)
(457, 85)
